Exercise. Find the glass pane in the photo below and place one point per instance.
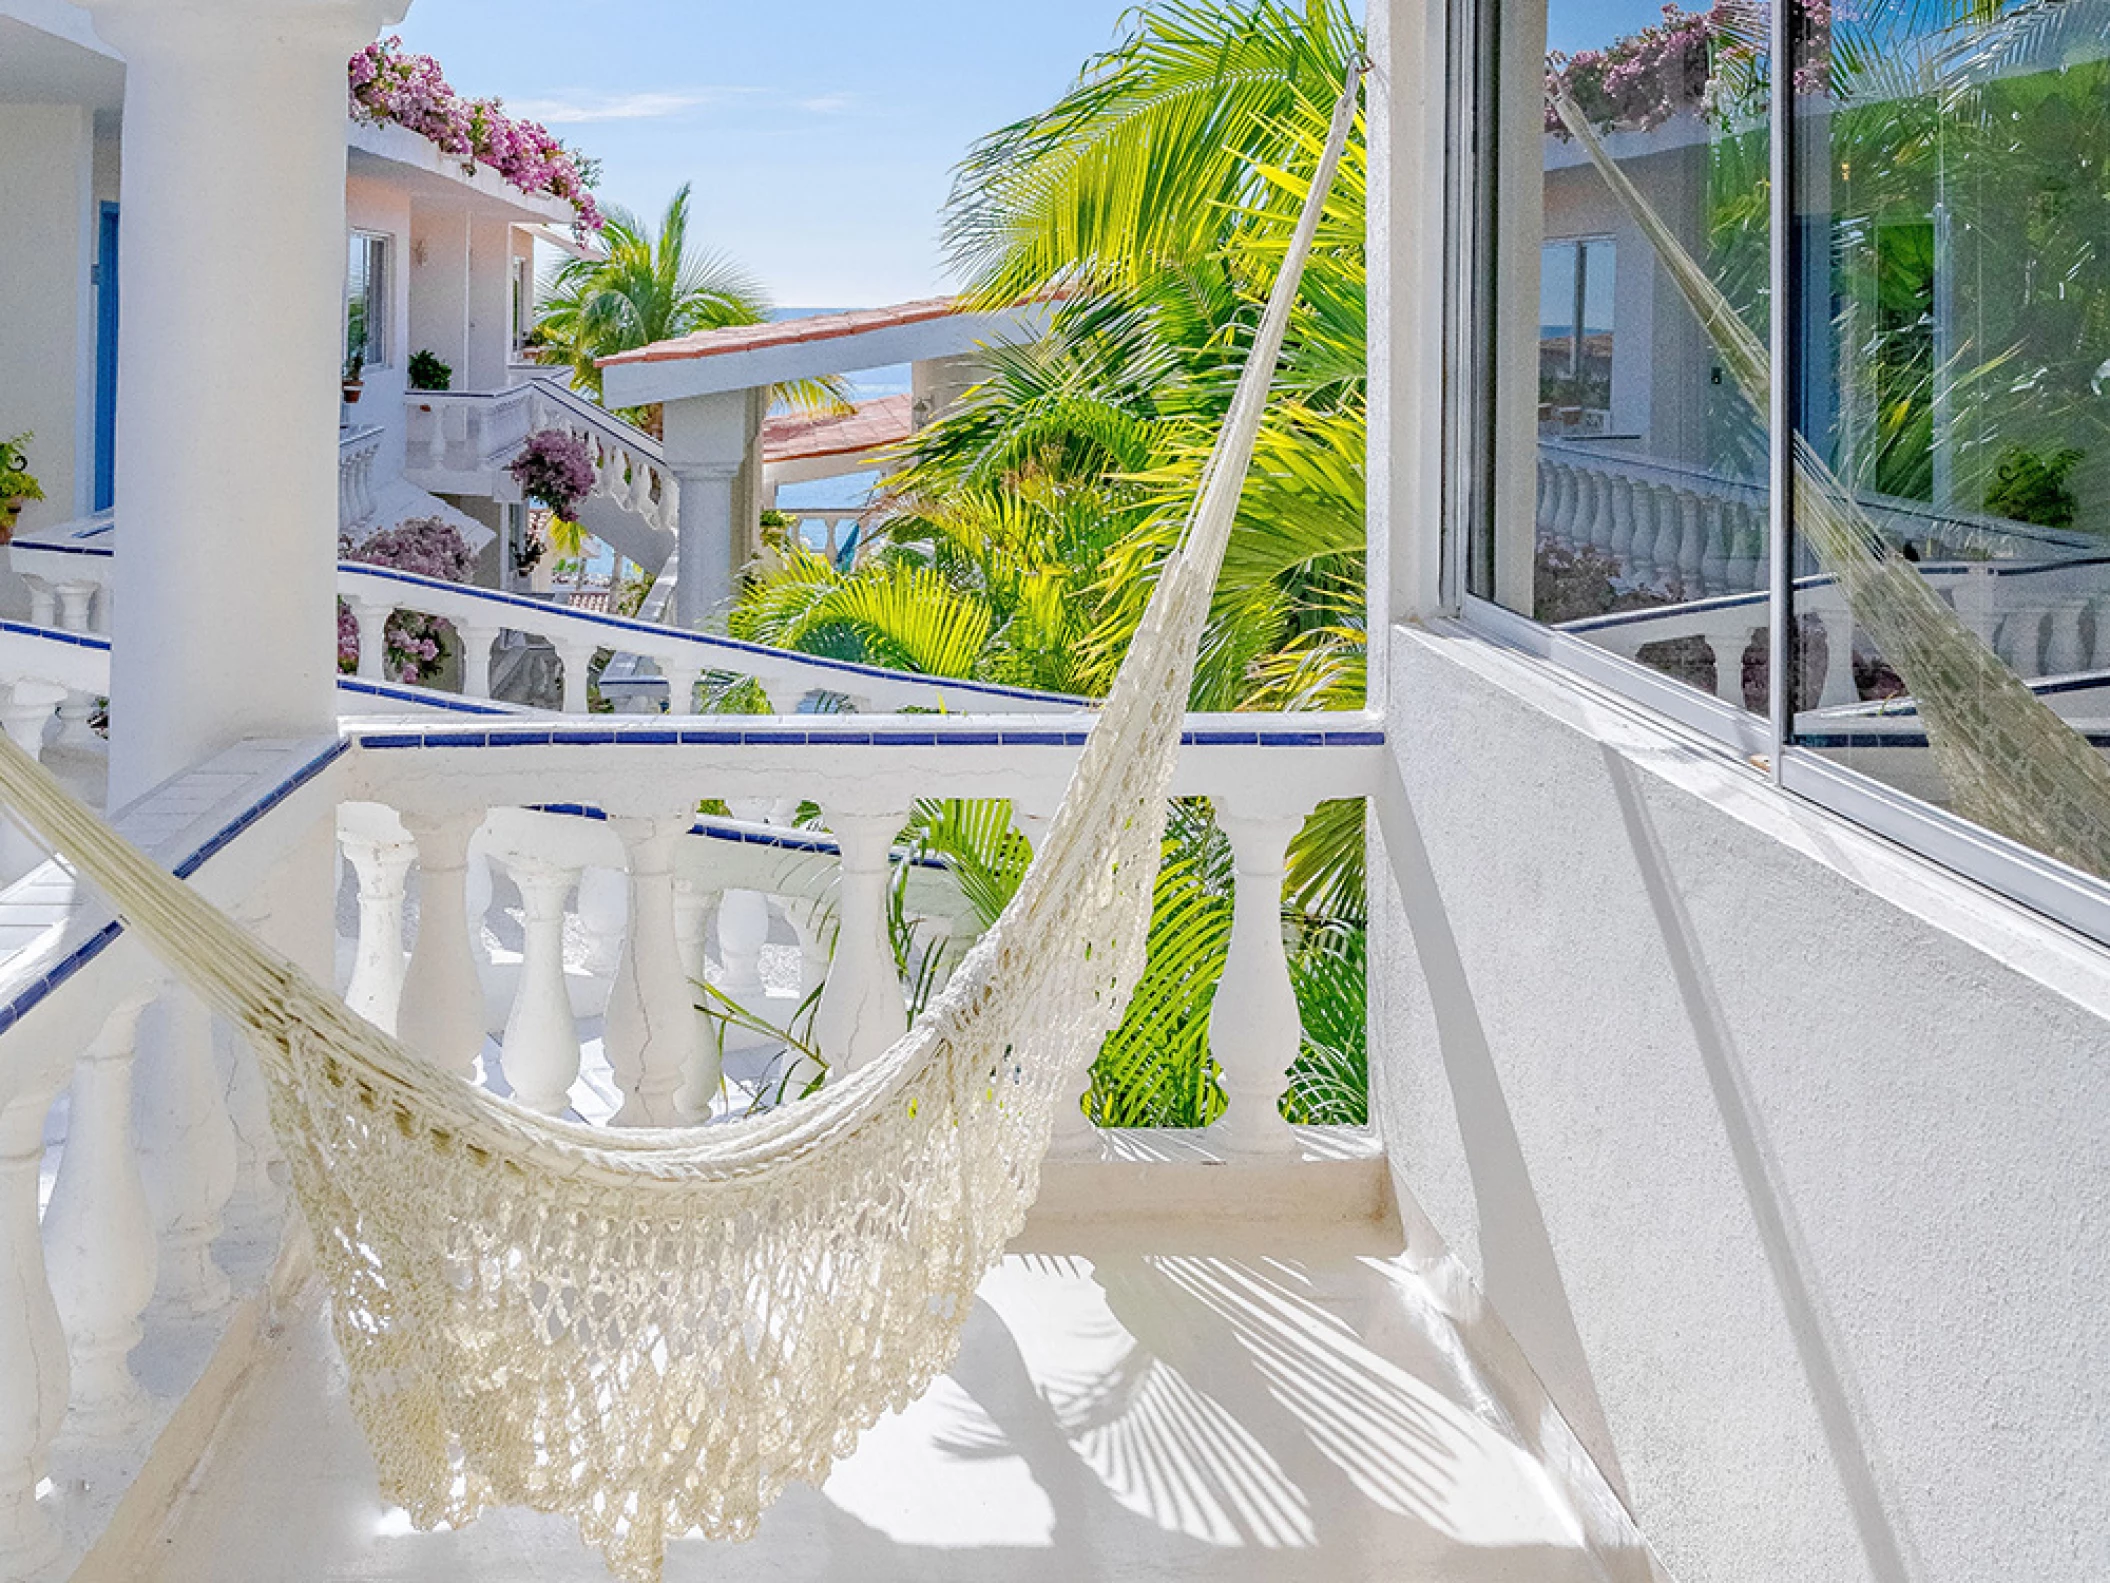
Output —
(1956, 339)
(356, 323)
(1629, 495)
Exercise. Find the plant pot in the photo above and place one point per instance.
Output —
(10, 514)
(351, 395)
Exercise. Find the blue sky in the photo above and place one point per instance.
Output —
(820, 135)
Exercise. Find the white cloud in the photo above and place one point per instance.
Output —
(828, 103)
(583, 108)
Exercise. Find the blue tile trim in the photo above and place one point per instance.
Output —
(449, 703)
(99, 942)
(78, 640)
(787, 735)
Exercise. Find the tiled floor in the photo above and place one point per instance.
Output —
(1154, 1403)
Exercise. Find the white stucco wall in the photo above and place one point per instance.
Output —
(1780, 1152)
(47, 328)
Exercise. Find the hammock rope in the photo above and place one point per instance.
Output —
(2010, 762)
(654, 1332)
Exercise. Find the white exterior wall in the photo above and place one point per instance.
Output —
(1780, 1152)
(47, 301)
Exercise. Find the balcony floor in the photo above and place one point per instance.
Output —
(1141, 1400)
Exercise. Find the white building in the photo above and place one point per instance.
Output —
(1734, 1205)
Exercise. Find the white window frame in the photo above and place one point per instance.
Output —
(379, 351)
(1763, 743)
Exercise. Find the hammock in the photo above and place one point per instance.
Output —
(2010, 762)
(654, 1332)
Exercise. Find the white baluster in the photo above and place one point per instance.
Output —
(862, 1010)
(604, 912)
(373, 638)
(1684, 506)
(33, 1370)
(1729, 642)
(99, 1235)
(381, 853)
(692, 920)
(1641, 547)
(2064, 650)
(441, 1013)
(1255, 1029)
(25, 710)
(43, 602)
(477, 643)
(743, 929)
(541, 1047)
(1714, 552)
(187, 1147)
(1840, 687)
(653, 1026)
(682, 682)
(77, 614)
(260, 1162)
(578, 659)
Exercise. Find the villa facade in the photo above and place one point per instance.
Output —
(1734, 1203)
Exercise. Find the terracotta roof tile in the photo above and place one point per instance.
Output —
(786, 332)
(793, 437)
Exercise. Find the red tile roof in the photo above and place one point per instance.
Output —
(787, 332)
(794, 437)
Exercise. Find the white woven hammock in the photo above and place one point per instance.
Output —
(654, 1332)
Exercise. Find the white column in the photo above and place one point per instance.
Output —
(234, 121)
(442, 1009)
(33, 1370)
(1255, 1029)
(381, 854)
(703, 584)
(187, 1147)
(653, 1026)
(99, 1235)
(862, 1009)
(477, 643)
(76, 613)
(541, 1049)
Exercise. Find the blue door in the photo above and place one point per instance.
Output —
(106, 361)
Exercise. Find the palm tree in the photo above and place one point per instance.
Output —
(653, 286)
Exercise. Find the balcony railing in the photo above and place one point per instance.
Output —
(594, 829)
(68, 573)
(358, 453)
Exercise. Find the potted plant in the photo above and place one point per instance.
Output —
(427, 372)
(354, 369)
(18, 485)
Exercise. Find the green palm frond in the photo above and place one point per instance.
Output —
(1139, 163)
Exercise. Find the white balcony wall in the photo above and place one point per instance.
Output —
(439, 284)
(1779, 1151)
(488, 365)
(47, 301)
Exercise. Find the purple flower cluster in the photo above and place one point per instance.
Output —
(1637, 83)
(410, 90)
(554, 470)
(428, 547)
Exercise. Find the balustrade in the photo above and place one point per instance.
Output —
(166, 1122)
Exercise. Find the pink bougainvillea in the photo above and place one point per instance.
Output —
(553, 469)
(416, 644)
(389, 85)
(1637, 83)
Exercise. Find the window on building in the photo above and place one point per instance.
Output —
(523, 303)
(1938, 619)
(366, 324)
